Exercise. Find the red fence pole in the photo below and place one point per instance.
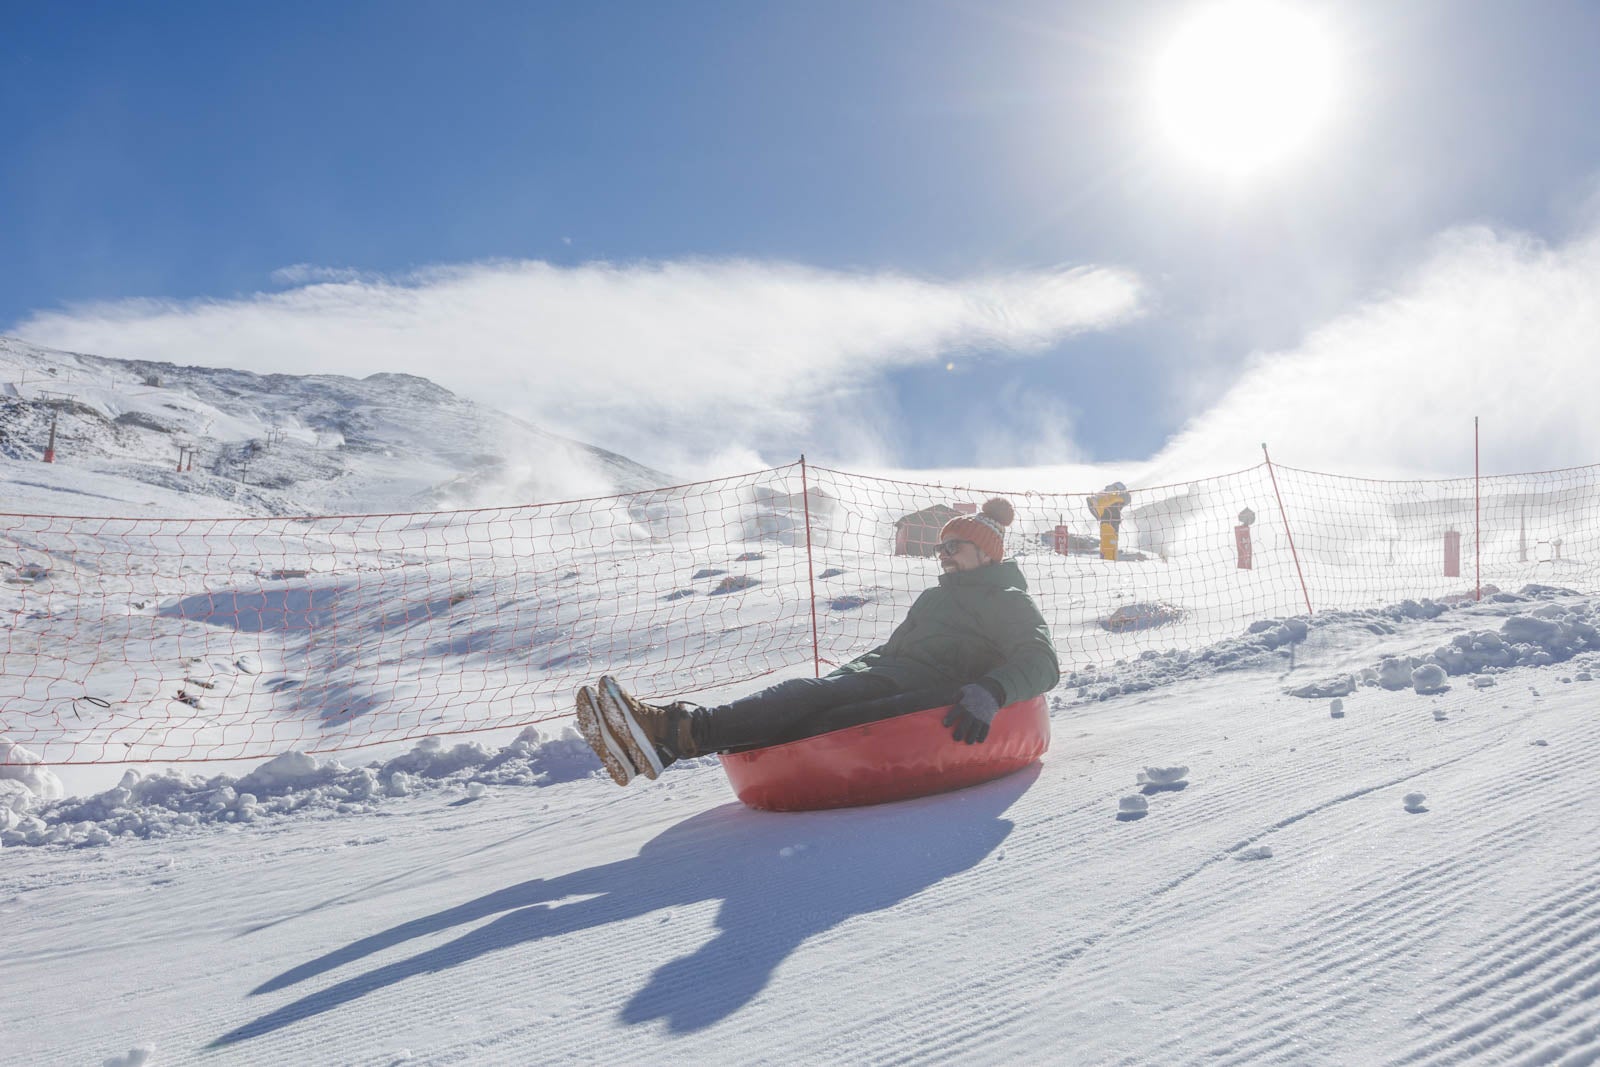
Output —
(1477, 514)
(805, 497)
(1286, 530)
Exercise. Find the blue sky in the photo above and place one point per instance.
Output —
(166, 162)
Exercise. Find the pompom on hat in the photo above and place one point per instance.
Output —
(987, 529)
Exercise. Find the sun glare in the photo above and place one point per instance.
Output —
(1245, 84)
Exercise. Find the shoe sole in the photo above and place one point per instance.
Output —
(612, 756)
(618, 718)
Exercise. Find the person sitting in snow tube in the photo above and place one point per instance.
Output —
(976, 641)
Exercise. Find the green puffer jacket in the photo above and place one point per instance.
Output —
(974, 626)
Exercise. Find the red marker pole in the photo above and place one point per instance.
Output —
(1477, 515)
(1287, 532)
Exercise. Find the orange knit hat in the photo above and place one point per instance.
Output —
(986, 529)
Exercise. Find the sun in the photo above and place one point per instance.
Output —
(1244, 85)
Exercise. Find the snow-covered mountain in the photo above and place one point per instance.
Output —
(290, 444)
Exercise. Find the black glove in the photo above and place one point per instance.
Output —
(972, 714)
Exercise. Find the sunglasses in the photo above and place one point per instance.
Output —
(951, 547)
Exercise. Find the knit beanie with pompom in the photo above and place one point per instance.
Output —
(987, 529)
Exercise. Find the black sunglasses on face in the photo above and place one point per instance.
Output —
(952, 546)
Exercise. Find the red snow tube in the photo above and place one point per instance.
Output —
(894, 759)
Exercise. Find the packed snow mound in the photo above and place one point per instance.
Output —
(1555, 631)
(293, 783)
(26, 772)
(1540, 625)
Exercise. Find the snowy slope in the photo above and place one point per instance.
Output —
(499, 901)
(1284, 904)
(287, 444)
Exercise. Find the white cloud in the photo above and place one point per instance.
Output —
(1494, 324)
(308, 274)
(672, 363)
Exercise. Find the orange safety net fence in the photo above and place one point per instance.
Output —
(170, 640)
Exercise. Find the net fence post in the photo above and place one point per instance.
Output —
(1477, 517)
(811, 571)
(1287, 532)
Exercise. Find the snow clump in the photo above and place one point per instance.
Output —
(33, 812)
(138, 1056)
(1428, 678)
(1544, 634)
(1157, 778)
(24, 767)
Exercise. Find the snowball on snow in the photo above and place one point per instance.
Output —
(1428, 678)
(1394, 673)
(1162, 775)
(1133, 804)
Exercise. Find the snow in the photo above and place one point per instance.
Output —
(1428, 678)
(552, 916)
(1265, 844)
(142, 805)
(157, 805)
(138, 1056)
(274, 444)
(26, 770)
(1155, 778)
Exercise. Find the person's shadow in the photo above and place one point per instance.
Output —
(781, 879)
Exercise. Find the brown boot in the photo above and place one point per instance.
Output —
(653, 736)
(612, 756)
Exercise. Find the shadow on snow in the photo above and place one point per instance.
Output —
(774, 898)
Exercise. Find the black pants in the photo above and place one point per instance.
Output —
(804, 707)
